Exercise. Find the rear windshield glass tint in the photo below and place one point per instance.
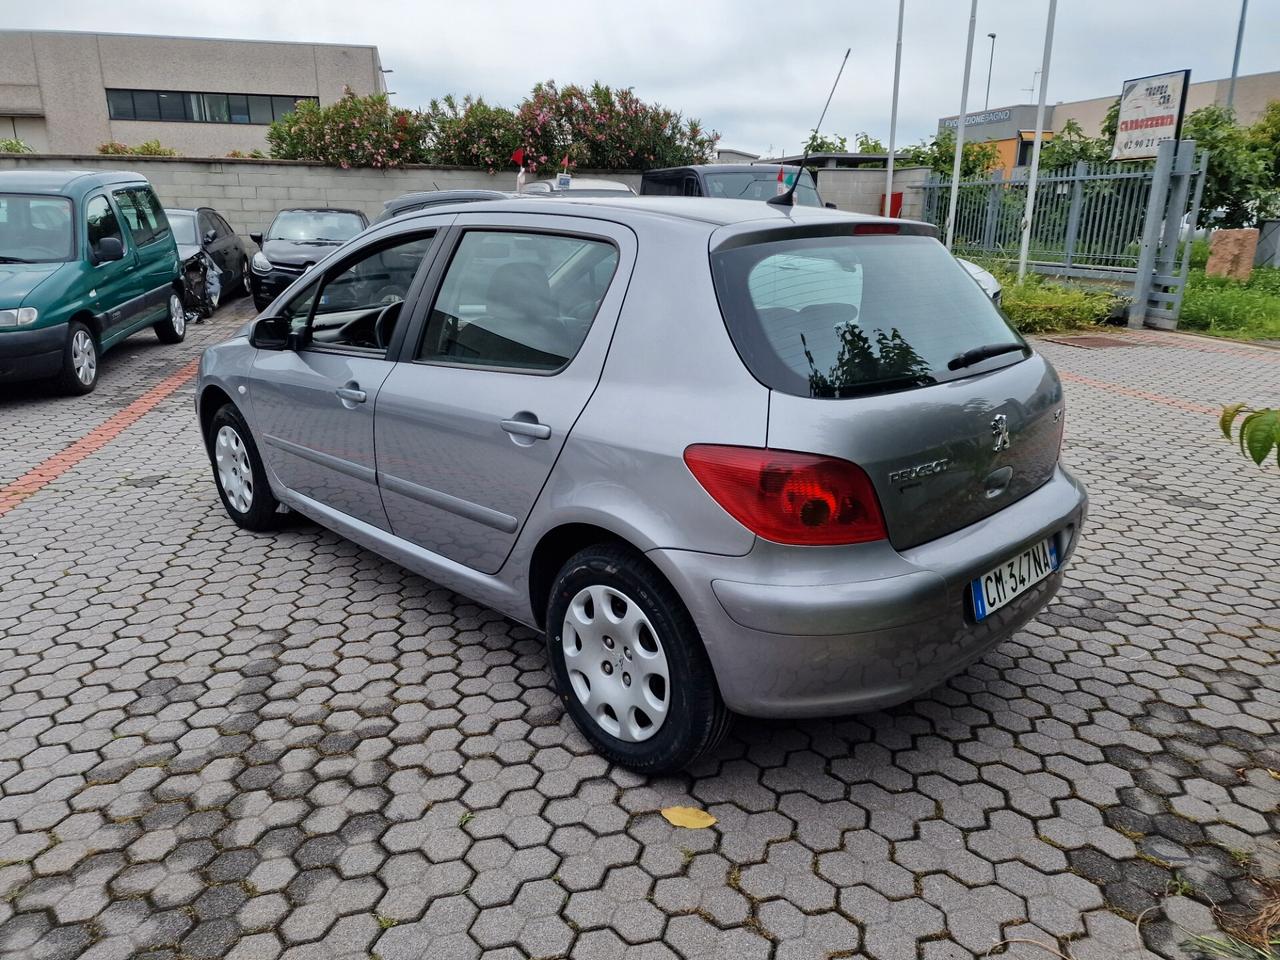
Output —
(847, 316)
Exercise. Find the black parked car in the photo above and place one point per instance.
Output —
(297, 239)
(215, 263)
(421, 199)
(727, 181)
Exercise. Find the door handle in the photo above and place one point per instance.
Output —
(524, 428)
(351, 394)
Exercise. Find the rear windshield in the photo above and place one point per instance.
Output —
(847, 316)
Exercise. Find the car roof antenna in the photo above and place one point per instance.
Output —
(788, 198)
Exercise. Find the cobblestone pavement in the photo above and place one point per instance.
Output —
(214, 743)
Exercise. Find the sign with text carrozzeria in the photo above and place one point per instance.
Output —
(1150, 113)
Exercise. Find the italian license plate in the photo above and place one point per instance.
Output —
(1001, 586)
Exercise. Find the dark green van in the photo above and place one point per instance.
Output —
(86, 259)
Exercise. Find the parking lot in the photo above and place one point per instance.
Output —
(215, 743)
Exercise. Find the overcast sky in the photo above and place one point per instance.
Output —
(755, 70)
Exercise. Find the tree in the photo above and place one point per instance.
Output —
(353, 132)
(820, 144)
(938, 153)
(1070, 145)
(1237, 182)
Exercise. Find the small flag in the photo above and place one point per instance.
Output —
(782, 182)
(518, 157)
(565, 162)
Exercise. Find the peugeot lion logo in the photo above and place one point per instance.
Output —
(1000, 432)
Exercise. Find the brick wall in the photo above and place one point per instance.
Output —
(249, 192)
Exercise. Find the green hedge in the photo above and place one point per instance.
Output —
(1231, 308)
(1038, 305)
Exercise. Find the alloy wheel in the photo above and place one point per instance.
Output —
(84, 357)
(616, 663)
(235, 473)
(177, 314)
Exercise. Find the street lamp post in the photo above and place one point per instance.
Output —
(990, 63)
(1235, 63)
(960, 124)
(1025, 246)
(893, 116)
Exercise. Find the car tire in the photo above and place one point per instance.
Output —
(246, 284)
(657, 661)
(80, 361)
(173, 328)
(238, 472)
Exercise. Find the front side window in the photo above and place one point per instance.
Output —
(143, 214)
(359, 305)
(102, 222)
(518, 300)
(844, 316)
(35, 229)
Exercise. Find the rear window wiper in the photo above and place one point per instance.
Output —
(978, 354)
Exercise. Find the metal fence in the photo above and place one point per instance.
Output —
(1126, 222)
(1089, 218)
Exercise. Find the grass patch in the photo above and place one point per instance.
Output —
(1248, 310)
(1041, 305)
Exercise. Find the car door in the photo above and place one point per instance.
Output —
(233, 248)
(508, 355)
(314, 405)
(112, 281)
(154, 255)
(216, 243)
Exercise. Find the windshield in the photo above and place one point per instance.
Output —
(759, 184)
(35, 229)
(184, 227)
(334, 226)
(844, 316)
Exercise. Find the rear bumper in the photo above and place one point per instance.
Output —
(789, 636)
(31, 354)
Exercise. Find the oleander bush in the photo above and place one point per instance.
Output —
(596, 127)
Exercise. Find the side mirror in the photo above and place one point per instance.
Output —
(108, 249)
(270, 333)
(210, 235)
(830, 206)
(256, 238)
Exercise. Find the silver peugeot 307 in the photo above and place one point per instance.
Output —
(730, 457)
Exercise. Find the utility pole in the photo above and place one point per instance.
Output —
(964, 113)
(1235, 63)
(893, 115)
(990, 63)
(1025, 248)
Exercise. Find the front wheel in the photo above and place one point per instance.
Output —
(79, 360)
(173, 328)
(629, 664)
(238, 472)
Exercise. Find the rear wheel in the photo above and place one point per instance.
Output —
(239, 473)
(173, 328)
(629, 664)
(245, 282)
(79, 360)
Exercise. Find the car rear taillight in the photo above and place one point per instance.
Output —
(875, 229)
(793, 498)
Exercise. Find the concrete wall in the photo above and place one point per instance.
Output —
(58, 81)
(861, 189)
(249, 192)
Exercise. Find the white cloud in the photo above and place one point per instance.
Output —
(756, 70)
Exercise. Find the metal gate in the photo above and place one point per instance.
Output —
(1128, 224)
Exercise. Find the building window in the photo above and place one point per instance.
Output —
(184, 107)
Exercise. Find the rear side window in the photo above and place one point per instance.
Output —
(847, 316)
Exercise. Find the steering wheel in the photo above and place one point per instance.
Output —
(384, 324)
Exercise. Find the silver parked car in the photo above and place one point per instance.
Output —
(730, 457)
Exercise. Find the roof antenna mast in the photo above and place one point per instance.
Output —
(788, 198)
